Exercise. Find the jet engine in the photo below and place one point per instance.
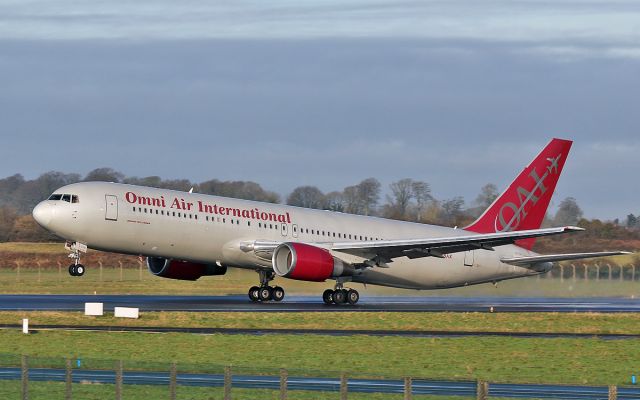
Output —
(304, 262)
(183, 270)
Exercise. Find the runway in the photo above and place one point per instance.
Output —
(314, 304)
(419, 387)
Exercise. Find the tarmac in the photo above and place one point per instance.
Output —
(237, 303)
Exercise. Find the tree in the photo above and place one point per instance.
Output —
(569, 213)
(422, 194)
(368, 193)
(104, 175)
(334, 201)
(632, 221)
(488, 193)
(307, 196)
(402, 193)
(7, 219)
(237, 189)
(452, 210)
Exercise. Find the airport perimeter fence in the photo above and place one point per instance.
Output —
(30, 377)
(19, 270)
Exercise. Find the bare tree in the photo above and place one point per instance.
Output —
(402, 193)
(569, 213)
(488, 193)
(422, 194)
(307, 196)
(334, 201)
(351, 200)
(452, 210)
(369, 193)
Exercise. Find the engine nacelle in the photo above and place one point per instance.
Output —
(308, 263)
(183, 270)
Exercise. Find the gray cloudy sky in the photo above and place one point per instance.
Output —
(287, 93)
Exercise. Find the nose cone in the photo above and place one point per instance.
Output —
(43, 213)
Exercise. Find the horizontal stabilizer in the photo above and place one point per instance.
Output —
(559, 257)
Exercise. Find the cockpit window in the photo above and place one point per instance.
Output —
(69, 198)
(55, 197)
(66, 197)
(74, 199)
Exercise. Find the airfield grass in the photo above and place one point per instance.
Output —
(596, 324)
(495, 359)
(236, 282)
(55, 390)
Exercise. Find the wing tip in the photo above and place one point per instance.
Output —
(573, 229)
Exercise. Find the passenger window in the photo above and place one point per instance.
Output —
(134, 209)
(179, 215)
(157, 212)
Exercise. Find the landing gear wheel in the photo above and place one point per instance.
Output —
(79, 270)
(254, 293)
(352, 296)
(265, 293)
(327, 296)
(277, 293)
(340, 296)
(72, 270)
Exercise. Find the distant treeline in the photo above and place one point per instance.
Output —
(408, 199)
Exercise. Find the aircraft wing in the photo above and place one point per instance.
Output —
(528, 260)
(385, 250)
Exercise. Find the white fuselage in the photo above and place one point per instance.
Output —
(211, 229)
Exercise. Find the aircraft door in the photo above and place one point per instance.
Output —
(111, 210)
(468, 258)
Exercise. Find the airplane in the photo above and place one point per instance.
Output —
(186, 236)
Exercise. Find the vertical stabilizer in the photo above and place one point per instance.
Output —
(524, 204)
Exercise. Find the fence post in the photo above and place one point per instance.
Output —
(344, 386)
(561, 273)
(25, 378)
(38, 263)
(597, 272)
(139, 269)
(227, 383)
(173, 381)
(67, 380)
(120, 262)
(482, 390)
(100, 275)
(613, 392)
(621, 273)
(119, 380)
(633, 272)
(586, 272)
(283, 383)
(59, 270)
(609, 266)
(18, 270)
(407, 388)
(573, 266)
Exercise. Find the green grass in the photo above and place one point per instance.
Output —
(495, 359)
(55, 390)
(467, 322)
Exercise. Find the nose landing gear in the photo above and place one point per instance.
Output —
(76, 269)
(265, 292)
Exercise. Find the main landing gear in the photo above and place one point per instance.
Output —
(265, 292)
(75, 269)
(340, 295)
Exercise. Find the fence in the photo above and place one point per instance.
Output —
(19, 270)
(38, 377)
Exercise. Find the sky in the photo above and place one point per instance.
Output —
(326, 93)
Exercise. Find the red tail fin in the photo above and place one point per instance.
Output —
(524, 204)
